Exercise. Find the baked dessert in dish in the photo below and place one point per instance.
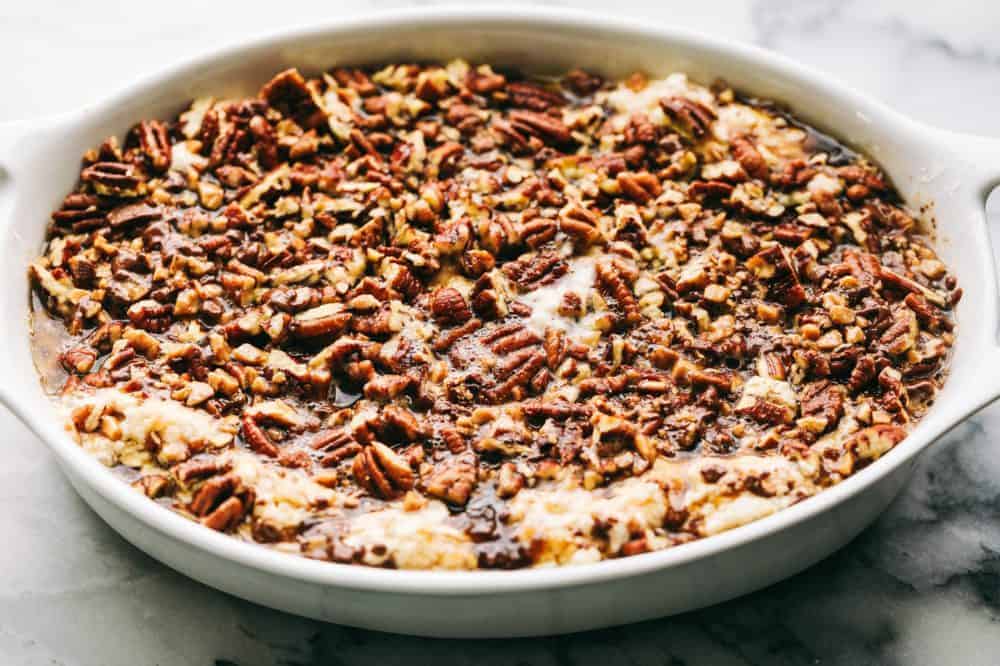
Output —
(444, 316)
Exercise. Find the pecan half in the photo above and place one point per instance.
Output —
(537, 231)
(134, 215)
(611, 283)
(257, 439)
(640, 187)
(324, 320)
(80, 212)
(531, 272)
(453, 480)
(690, 116)
(388, 387)
(750, 158)
(335, 444)
(823, 400)
(487, 298)
(579, 223)
(155, 144)
(521, 361)
(114, 179)
(222, 502)
(382, 472)
(547, 128)
(532, 96)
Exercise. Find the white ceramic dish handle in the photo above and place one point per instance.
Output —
(982, 155)
(11, 136)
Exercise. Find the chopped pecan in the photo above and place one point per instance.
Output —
(356, 80)
(927, 313)
(447, 156)
(154, 486)
(510, 481)
(197, 468)
(380, 325)
(908, 284)
(447, 338)
(862, 374)
(719, 379)
(475, 263)
(774, 267)
(603, 385)
(872, 442)
(487, 298)
(449, 307)
(78, 360)
(266, 142)
(710, 189)
(515, 372)
(517, 140)
(864, 267)
(767, 412)
(483, 80)
(558, 410)
(397, 424)
(288, 93)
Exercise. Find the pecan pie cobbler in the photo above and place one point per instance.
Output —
(449, 317)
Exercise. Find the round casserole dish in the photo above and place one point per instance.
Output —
(950, 172)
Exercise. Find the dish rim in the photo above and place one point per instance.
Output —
(448, 583)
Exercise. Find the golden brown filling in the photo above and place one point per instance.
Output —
(444, 317)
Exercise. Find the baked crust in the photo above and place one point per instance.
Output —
(443, 317)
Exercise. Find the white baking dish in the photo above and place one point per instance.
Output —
(953, 173)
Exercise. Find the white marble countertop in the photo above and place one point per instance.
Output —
(922, 586)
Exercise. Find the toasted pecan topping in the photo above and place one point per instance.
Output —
(447, 317)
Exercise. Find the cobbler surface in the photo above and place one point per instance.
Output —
(448, 317)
